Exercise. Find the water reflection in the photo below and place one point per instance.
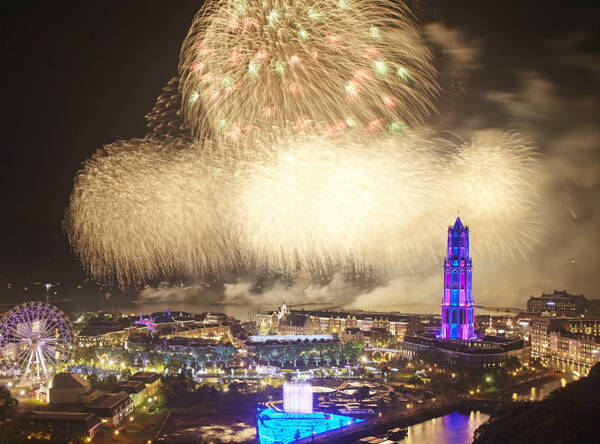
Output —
(542, 391)
(455, 428)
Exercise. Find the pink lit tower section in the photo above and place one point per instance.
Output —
(457, 304)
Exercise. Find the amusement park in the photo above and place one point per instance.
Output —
(36, 339)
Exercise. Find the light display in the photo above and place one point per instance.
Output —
(281, 427)
(457, 304)
(265, 338)
(297, 397)
(148, 322)
(35, 337)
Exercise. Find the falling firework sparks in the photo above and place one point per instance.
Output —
(248, 65)
(496, 182)
(321, 204)
(144, 209)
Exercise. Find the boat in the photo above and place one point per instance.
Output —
(397, 433)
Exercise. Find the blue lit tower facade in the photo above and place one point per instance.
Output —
(457, 303)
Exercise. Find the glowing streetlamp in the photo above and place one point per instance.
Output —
(48, 286)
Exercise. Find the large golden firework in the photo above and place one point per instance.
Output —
(145, 209)
(249, 65)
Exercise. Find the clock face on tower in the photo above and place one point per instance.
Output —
(457, 303)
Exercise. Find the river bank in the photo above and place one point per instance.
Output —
(379, 426)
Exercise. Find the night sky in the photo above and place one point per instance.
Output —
(84, 74)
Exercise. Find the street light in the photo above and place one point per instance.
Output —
(48, 286)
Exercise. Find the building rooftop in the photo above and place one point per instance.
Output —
(90, 419)
(95, 331)
(346, 315)
(564, 294)
(66, 380)
(146, 377)
(478, 347)
(294, 319)
(277, 339)
(579, 336)
(109, 400)
(130, 387)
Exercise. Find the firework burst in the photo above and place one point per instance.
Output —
(144, 209)
(250, 65)
(319, 204)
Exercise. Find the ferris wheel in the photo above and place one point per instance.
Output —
(35, 337)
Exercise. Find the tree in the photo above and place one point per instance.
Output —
(223, 353)
(295, 354)
(262, 355)
(317, 357)
(352, 351)
(8, 404)
(305, 355)
(383, 340)
(513, 364)
(567, 415)
(126, 374)
(157, 361)
(92, 378)
(110, 379)
(199, 357)
(327, 356)
(84, 354)
(173, 366)
(337, 354)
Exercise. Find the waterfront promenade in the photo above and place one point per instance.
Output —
(380, 425)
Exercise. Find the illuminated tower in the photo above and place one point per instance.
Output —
(457, 303)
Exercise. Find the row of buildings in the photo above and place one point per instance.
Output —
(309, 322)
(115, 331)
(560, 303)
(567, 344)
(83, 410)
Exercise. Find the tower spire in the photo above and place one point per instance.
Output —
(457, 302)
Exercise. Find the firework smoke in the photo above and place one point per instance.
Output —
(250, 65)
(143, 209)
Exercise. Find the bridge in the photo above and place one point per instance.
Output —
(381, 354)
(501, 309)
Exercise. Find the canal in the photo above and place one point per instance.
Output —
(541, 391)
(458, 428)
(454, 428)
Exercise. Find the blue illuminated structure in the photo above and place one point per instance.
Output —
(457, 303)
(279, 427)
